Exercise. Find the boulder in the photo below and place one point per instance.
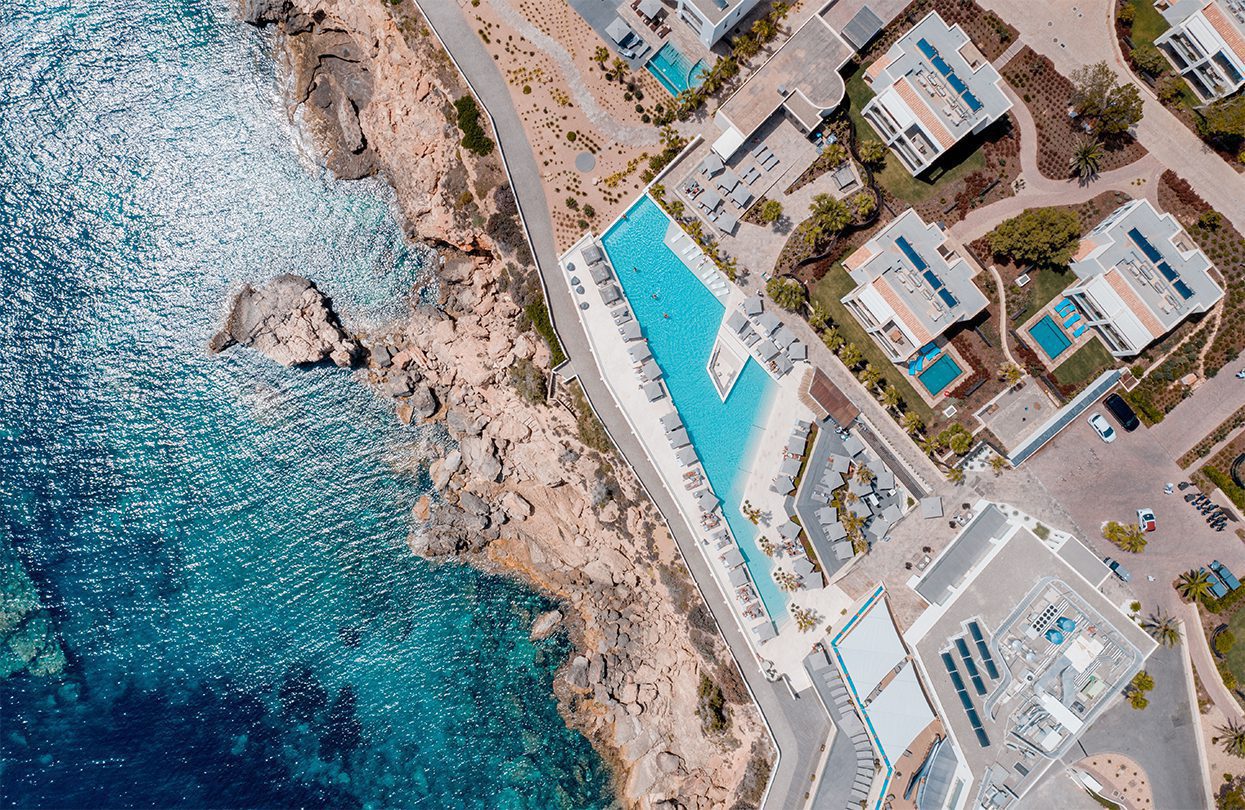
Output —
(516, 505)
(545, 624)
(424, 402)
(480, 456)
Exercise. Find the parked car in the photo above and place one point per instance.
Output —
(1117, 569)
(1146, 521)
(1122, 412)
(1101, 427)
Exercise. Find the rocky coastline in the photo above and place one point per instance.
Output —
(530, 487)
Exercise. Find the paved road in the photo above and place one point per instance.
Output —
(799, 725)
(1213, 402)
(1081, 33)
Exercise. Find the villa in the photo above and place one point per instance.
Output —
(1139, 275)
(711, 19)
(1206, 43)
(913, 283)
(933, 88)
(801, 79)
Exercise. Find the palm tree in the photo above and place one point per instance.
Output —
(1195, 586)
(1011, 373)
(1086, 158)
(832, 338)
(850, 355)
(891, 397)
(955, 475)
(912, 422)
(764, 29)
(745, 46)
(1232, 738)
(998, 464)
(1162, 628)
(870, 376)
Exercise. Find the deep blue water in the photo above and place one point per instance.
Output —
(222, 540)
(724, 434)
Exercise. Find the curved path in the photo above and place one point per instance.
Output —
(1083, 33)
(799, 724)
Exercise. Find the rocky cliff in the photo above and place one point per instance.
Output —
(287, 319)
(531, 487)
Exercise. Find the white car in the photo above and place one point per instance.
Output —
(1101, 427)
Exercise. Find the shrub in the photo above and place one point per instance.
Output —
(1224, 642)
(1126, 14)
(771, 211)
(1210, 220)
(1148, 58)
(711, 706)
(528, 380)
(786, 293)
(474, 137)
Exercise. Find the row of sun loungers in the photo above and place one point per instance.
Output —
(766, 337)
(849, 724)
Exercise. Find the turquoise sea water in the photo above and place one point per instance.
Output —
(221, 540)
(724, 433)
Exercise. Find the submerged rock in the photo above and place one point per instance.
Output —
(28, 638)
(545, 624)
(288, 320)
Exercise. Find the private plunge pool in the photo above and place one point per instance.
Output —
(938, 376)
(674, 70)
(1047, 334)
(680, 319)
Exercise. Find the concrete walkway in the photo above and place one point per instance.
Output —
(1204, 662)
(798, 723)
(1082, 34)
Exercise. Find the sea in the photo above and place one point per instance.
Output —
(222, 542)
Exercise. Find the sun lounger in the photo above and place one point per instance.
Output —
(756, 153)
(1068, 323)
(653, 391)
(1080, 330)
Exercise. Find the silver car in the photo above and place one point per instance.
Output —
(1102, 427)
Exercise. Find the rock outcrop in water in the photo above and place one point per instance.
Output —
(288, 320)
(28, 638)
(531, 487)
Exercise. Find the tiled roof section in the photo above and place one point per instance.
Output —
(1220, 22)
(1086, 247)
(861, 255)
(928, 118)
(901, 309)
(1134, 302)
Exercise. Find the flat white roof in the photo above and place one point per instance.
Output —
(871, 649)
(900, 713)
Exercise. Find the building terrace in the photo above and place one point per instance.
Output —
(1206, 43)
(933, 89)
(913, 283)
(1139, 276)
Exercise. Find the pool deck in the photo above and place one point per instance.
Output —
(787, 650)
(938, 401)
(1023, 331)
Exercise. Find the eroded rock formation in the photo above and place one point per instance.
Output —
(288, 320)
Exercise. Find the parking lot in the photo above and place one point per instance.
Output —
(1097, 482)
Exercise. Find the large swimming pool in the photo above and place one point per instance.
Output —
(674, 70)
(724, 433)
(1053, 340)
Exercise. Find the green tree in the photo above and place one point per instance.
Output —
(1110, 108)
(891, 397)
(864, 204)
(600, 55)
(745, 46)
(818, 316)
(1169, 88)
(1047, 237)
(834, 154)
(1142, 682)
(1224, 642)
(912, 422)
(827, 216)
(1129, 538)
(1232, 738)
(999, 465)
(1224, 119)
(1011, 373)
(851, 355)
(1149, 59)
(1138, 700)
(786, 292)
(1162, 628)
(1194, 585)
(771, 211)
(1086, 159)
(832, 338)
(475, 139)
(870, 376)
(955, 475)
(872, 153)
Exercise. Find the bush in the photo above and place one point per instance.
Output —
(1224, 642)
(538, 313)
(1149, 59)
(1210, 220)
(528, 380)
(1046, 237)
(474, 137)
(1126, 14)
(786, 293)
(1226, 485)
(771, 211)
(711, 706)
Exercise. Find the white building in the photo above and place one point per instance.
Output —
(1206, 43)
(1140, 275)
(912, 284)
(711, 19)
(933, 88)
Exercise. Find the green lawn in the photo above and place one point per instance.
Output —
(894, 177)
(829, 292)
(1046, 284)
(1085, 364)
(1236, 655)
(1148, 23)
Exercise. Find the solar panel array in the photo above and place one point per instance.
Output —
(942, 67)
(983, 651)
(970, 666)
(1152, 253)
(974, 720)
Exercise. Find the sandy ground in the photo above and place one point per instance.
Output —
(544, 50)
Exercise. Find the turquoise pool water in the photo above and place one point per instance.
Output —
(724, 433)
(675, 72)
(1050, 337)
(939, 375)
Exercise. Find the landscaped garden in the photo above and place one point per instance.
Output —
(1048, 94)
